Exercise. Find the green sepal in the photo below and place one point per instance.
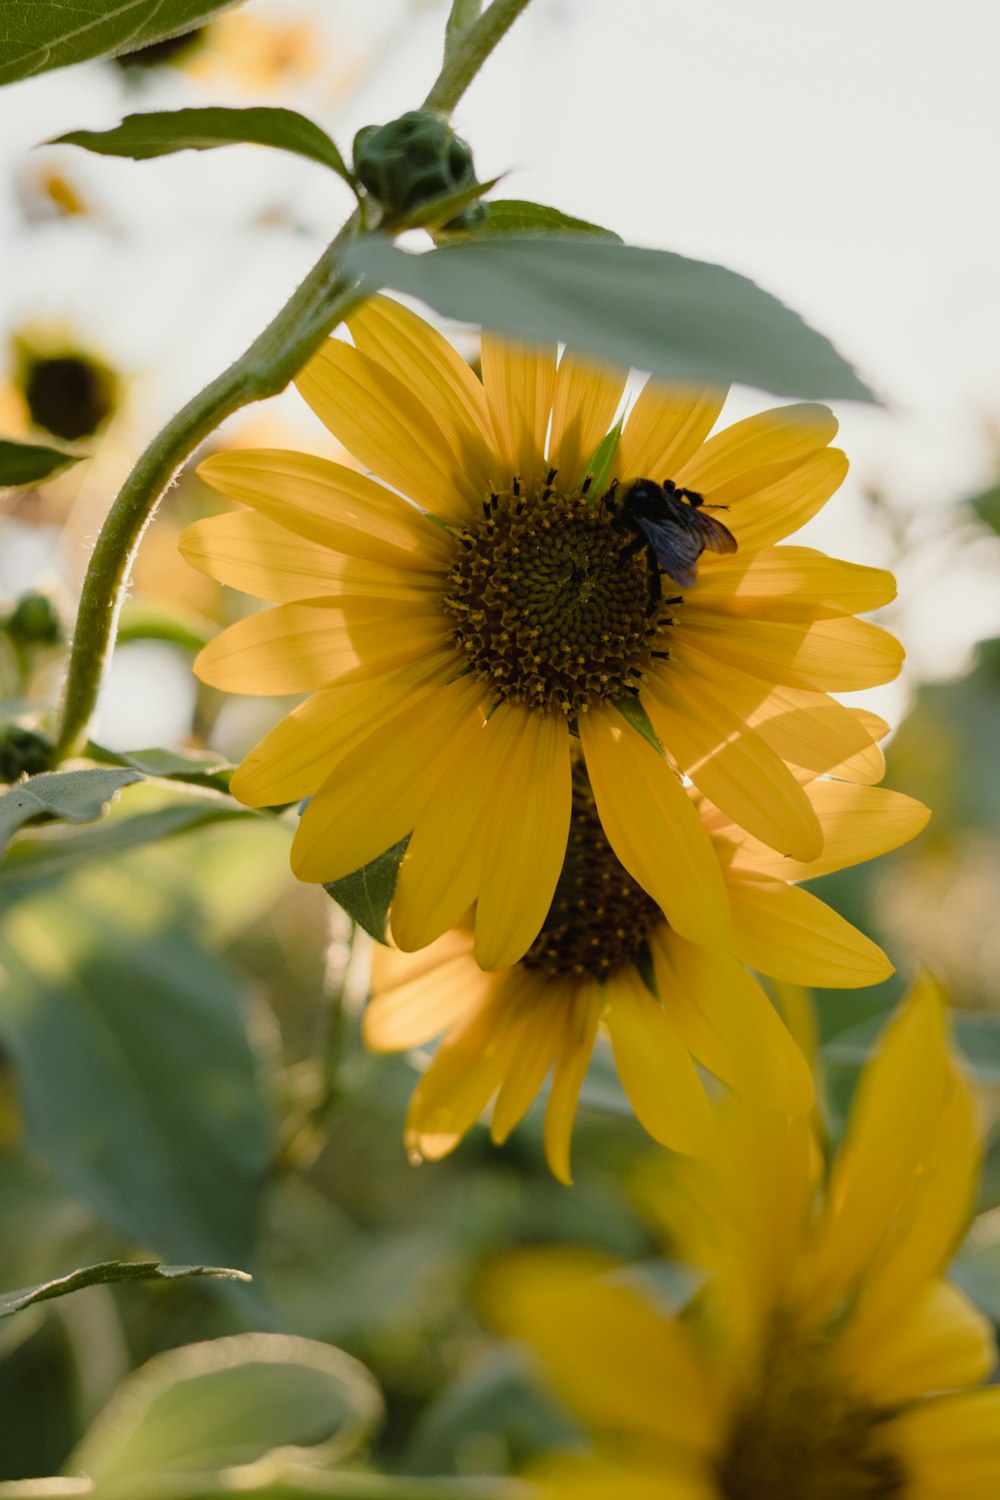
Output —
(367, 894)
(602, 462)
(633, 713)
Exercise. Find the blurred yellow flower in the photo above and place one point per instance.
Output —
(825, 1358)
(602, 944)
(457, 639)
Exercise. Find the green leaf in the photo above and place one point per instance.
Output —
(680, 319)
(163, 132)
(520, 216)
(976, 1269)
(30, 463)
(136, 1075)
(441, 210)
(977, 1036)
(184, 765)
(602, 463)
(229, 1402)
(37, 37)
(76, 796)
(633, 712)
(367, 894)
(986, 505)
(108, 1271)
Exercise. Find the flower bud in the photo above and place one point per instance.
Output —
(23, 753)
(412, 160)
(34, 621)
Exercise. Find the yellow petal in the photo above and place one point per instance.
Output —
(520, 383)
(734, 464)
(329, 504)
(573, 1477)
(418, 356)
(572, 1061)
(655, 1067)
(724, 1018)
(951, 1446)
(665, 427)
(787, 932)
(586, 399)
(298, 755)
(732, 765)
(859, 823)
(377, 791)
(789, 583)
(541, 1025)
(652, 825)
(529, 818)
(388, 428)
(417, 996)
(295, 648)
(831, 655)
(780, 506)
(938, 1343)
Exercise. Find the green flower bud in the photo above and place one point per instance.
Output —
(23, 753)
(34, 621)
(412, 160)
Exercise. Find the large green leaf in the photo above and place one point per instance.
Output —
(163, 132)
(213, 1406)
(75, 796)
(681, 319)
(109, 1271)
(35, 37)
(367, 894)
(136, 1076)
(30, 463)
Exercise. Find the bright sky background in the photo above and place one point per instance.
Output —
(845, 156)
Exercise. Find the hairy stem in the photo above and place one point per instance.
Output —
(467, 52)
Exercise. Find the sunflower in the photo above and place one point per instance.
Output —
(607, 956)
(462, 625)
(826, 1358)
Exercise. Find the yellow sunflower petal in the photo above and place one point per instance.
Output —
(586, 399)
(388, 428)
(417, 996)
(528, 828)
(733, 464)
(733, 766)
(859, 823)
(329, 504)
(541, 1026)
(831, 655)
(607, 1349)
(790, 583)
(520, 384)
(295, 648)
(297, 756)
(780, 506)
(377, 791)
(951, 1446)
(571, 1064)
(423, 360)
(665, 427)
(572, 1477)
(655, 1066)
(787, 932)
(938, 1343)
(652, 825)
(724, 1018)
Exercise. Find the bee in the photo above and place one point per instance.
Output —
(671, 524)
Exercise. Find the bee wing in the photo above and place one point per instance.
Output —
(712, 533)
(676, 549)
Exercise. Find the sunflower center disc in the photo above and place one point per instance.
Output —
(804, 1438)
(600, 918)
(547, 609)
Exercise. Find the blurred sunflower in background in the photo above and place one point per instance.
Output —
(463, 630)
(58, 385)
(825, 1358)
(607, 957)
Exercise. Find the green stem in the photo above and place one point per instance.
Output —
(467, 52)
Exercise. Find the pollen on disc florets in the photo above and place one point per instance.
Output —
(600, 918)
(550, 608)
(804, 1437)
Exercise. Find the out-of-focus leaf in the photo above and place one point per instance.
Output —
(988, 1195)
(681, 319)
(37, 37)
(142, 621)
(987, 506)
(978, 1038)
(185, 765)
(213, 1406)
(101, 1275)
(367, 894)
(135, 1071)
(75, 796)
(30, 463)
(519, 216)
(976, 1269)
(163, 132)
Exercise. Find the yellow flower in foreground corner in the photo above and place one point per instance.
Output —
(450, 658)
(826, 1358)
(503, 1032)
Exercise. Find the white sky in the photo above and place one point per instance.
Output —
(845, 156)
